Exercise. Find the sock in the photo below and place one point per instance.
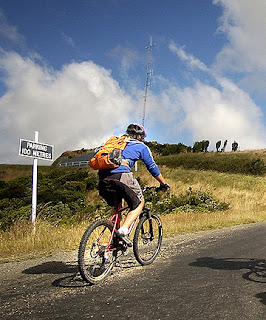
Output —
(123, 231)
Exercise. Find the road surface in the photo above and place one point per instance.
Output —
(206, 275)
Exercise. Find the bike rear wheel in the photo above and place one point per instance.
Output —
(147, 239)
(94, 260)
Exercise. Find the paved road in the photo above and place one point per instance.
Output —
(207, 275)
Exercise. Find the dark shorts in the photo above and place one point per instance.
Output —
(118, 186)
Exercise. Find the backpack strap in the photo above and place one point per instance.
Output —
(125, 162)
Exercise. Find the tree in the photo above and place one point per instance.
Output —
(201, 146)
(197, 147)
(205, 145)
(225, 144)
(218, 145)
(234, 146)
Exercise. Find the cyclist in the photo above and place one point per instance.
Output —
(119, 183)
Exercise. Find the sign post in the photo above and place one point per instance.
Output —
(34, 184)
(35, 150)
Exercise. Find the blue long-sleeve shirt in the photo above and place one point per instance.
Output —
(136, 150)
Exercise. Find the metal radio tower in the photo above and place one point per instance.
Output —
(147, 83)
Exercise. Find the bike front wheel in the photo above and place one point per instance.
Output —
(147, 239)
(95, 260)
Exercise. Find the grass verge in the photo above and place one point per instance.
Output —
(246, 195)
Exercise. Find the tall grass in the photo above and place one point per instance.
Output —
(246, 195)
(21, 242)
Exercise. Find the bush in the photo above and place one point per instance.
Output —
(257, 167)
(2, 184)
(9, 217)
(61, 197)
(193, 201)
(17, 188)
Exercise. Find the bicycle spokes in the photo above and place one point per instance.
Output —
(95, 257)
(97, 250)
(147, 233)
(147, 239)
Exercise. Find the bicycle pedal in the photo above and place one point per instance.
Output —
(125, 253)
(125, 250)
(126, 241)
(122, 247)
(125, 238)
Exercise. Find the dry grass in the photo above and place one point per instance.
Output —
(246, 195)
(9, 172)
(22, 242)
(259, 151)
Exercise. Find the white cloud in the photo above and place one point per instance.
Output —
(68, 40)
(226, 114)
(243, 23)
(127, 59)
(10, 32)
(226, 109)
(78, 106)
(189, 59)
(209, 113)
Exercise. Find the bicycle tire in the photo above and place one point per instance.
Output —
(94, 262)
(147, 239)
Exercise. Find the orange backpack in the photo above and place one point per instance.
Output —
(109, 155)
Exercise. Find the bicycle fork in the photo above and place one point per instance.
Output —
(148, 235)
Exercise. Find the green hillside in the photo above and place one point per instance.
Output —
(250, 163)
(208, 190)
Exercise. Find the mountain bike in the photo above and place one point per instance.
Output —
(100, 246)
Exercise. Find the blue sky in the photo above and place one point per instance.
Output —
(75, 71)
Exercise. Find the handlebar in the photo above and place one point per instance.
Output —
(164, 187)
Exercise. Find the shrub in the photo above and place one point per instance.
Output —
(17, 188)
(195, 201)
(257, 167)
(9, 217)
(61, 197)
(2, 184)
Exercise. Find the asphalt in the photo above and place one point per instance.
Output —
(207, 275)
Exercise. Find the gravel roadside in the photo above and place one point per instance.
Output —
(30, 289)
(170, 247)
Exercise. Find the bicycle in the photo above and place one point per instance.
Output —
(100, 246)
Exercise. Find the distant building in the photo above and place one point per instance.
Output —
(80, 161)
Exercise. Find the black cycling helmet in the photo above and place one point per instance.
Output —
(136, 129)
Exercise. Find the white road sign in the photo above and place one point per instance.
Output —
(36, 150)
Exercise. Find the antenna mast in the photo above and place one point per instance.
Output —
(147, 83)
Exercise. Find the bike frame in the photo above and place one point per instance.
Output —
(116, 220)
